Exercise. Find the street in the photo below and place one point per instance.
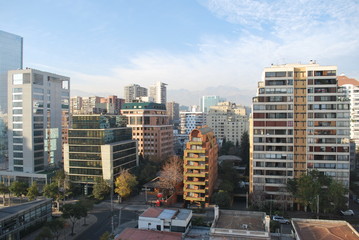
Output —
(104, 221)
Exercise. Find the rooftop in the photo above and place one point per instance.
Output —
(179, 214)
(324, 229)
(241, 220)
(144, 105)
(342, 80)
(8, 211)
(141, 234)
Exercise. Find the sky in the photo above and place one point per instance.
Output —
(197, 47)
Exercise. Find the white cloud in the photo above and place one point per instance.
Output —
(285, 32)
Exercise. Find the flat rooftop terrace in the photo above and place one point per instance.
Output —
(241, 220)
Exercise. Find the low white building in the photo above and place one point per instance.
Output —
(170, 220)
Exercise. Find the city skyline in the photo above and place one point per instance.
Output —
(192, 46)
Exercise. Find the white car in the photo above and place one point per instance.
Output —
(348, 212)
(281, 219)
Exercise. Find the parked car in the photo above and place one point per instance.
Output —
(356, 200)
(347, 212)
(280, 219)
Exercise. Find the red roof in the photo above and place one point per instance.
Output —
(142, 234)
(345, 80)
(152, 212)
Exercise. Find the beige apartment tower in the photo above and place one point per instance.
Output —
(151, 128)
(300, 122)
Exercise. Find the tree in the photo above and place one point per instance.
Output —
(106, 236)
(88, 204)
(32, 191)
(18, 188)
(244, 151)
(45, 234)
(171, 174)
(125, 183)
(222, 199)
(101, 189)
(314, 187)
(52, 191)
(4, 190)
(73, 212)
(55, 226)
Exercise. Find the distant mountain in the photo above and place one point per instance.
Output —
(233, 94)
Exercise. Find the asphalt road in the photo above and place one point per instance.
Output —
(104, 222)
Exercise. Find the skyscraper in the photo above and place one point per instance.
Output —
(10, 59)
(300, 122)
(133, 91)
(11, 56)
(208, 101)
(159, 92)
(200, 166)
(39, 106)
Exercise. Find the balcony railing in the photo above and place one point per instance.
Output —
(195, 190)
(195, 167)
(195, 198)
(195, 174)
(202, 183)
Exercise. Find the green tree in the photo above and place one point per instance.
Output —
(52, 191)
(88, 204)
(32, 191)
(4, 190)
(18, 188)
(222, 199)
(55, 226)
(45, 234)
(125, 183)
(244, 151)
(101, 189)
(73, 212)
(314, 187)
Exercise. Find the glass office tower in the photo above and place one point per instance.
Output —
(10, 59)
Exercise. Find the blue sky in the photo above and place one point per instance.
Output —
(188, 44)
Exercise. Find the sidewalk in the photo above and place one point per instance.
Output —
(65, 233)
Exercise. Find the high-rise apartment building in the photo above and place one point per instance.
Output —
(200, 166)
(159, 92)
(38, 109)
(208, 101)
(133, 91)
(173, 113)
(228, 121)
(11, 56)
(191, 120)
(300, 122)
(351, 87)
(99, 146)
(150, 127)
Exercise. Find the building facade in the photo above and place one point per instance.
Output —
(173, 113)
(208, 101)
(159, 92)
(200, 166)
(300, 122)
(150, 127)
(191, 120)
(11, 57)
(99, 146)
(351, 87)
(38, 106)
(228, 121)
(133, 91)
